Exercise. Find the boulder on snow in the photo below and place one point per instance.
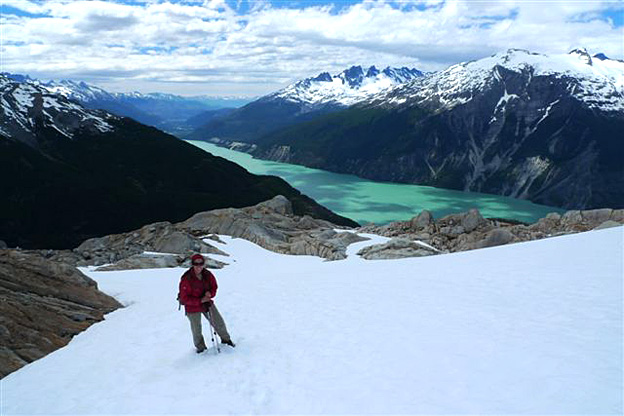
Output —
(271, 225)
(396, 248)
(160, 237)
(157, 261)
(496, 237)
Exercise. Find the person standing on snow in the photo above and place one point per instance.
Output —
(197, 288)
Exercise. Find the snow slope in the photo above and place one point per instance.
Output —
(530, 328)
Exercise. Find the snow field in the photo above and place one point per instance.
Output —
(529, 328)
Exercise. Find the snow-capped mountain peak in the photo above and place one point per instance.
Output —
(346, 88)
(80, 91)
(27, 106)
(599, 83)
(582, 54)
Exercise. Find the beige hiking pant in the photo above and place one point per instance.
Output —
(213, 316)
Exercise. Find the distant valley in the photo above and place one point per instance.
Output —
(171, 113)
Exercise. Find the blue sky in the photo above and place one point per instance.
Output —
(250, 48)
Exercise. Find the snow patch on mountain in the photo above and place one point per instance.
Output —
(80, 91)
(28, 103)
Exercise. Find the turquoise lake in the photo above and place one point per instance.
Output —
(366, 201)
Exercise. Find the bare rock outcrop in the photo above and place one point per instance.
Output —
(130, 248)
(44, 304)
(272, 225)
(468, 231)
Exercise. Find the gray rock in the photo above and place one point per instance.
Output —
(608, 224)
(271, 225)
(472, 220)
(325, 234)
(572, 217)
(162, 237)
(553, 216)
(306, 223)
(396, 248)
(496, 237)
(618, 215)
(597, 216)
(422, 220)
(143, 261)
(457, 232)
(3, 245)
(348, 238)
(280, 204)
(181, 243)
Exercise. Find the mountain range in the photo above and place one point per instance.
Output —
(303, 101)
(519, 124)
(167, 112)
(70, 173)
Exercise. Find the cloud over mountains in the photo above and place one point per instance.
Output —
(245, 47)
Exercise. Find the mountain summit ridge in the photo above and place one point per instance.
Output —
(346, 88)
(303, 101)
(599, 83)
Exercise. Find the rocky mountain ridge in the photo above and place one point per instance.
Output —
(27, 107)
(168, 112)
(349, 87)
(595, 81)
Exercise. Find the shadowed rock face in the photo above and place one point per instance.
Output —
(44, 304)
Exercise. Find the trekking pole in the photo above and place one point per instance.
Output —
(213, 334)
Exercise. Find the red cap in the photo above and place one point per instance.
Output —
(197, 257)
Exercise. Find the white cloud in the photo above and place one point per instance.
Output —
(208, 43)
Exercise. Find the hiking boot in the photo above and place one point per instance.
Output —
(200, 350)
(228, 342)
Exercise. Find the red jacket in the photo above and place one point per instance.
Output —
(192, 290)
